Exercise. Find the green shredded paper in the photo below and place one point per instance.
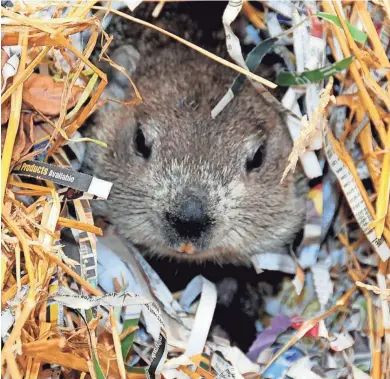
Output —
(287, 79)
(356, 34)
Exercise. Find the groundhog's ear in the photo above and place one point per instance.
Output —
(118, 86)
(127, 57)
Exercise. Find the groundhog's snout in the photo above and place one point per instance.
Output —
(188, 220)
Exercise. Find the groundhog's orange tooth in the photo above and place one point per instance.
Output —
(187, 248)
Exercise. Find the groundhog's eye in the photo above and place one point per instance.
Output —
(256, 161)
(143, 149)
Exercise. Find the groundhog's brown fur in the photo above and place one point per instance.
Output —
(195, 162)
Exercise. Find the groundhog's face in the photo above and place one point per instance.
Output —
(191, 187)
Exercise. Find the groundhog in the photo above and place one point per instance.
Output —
(186, 185)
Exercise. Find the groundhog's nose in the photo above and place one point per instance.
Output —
(190, 219)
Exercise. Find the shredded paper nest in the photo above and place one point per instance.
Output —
(93, 313)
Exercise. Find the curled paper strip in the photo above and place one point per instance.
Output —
(322, 282)
(8, 316)
(204, 312)
(7, 320)
(253, 60)
(285, 8)
(233, 356)
(132, 4)
(220, 365)
(87, 256)
(229, 373)
(128, 299)
(232, 42)
(158, 287)
(265, 339)
(274, 262)
(123, 299)
(341, 341)
(11, 66)
(302, 369)
(183, 330)
(353, 195)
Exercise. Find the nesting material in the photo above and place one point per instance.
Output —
(101, 312)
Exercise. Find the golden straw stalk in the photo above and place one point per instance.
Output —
(382, 201)
(13, 123)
